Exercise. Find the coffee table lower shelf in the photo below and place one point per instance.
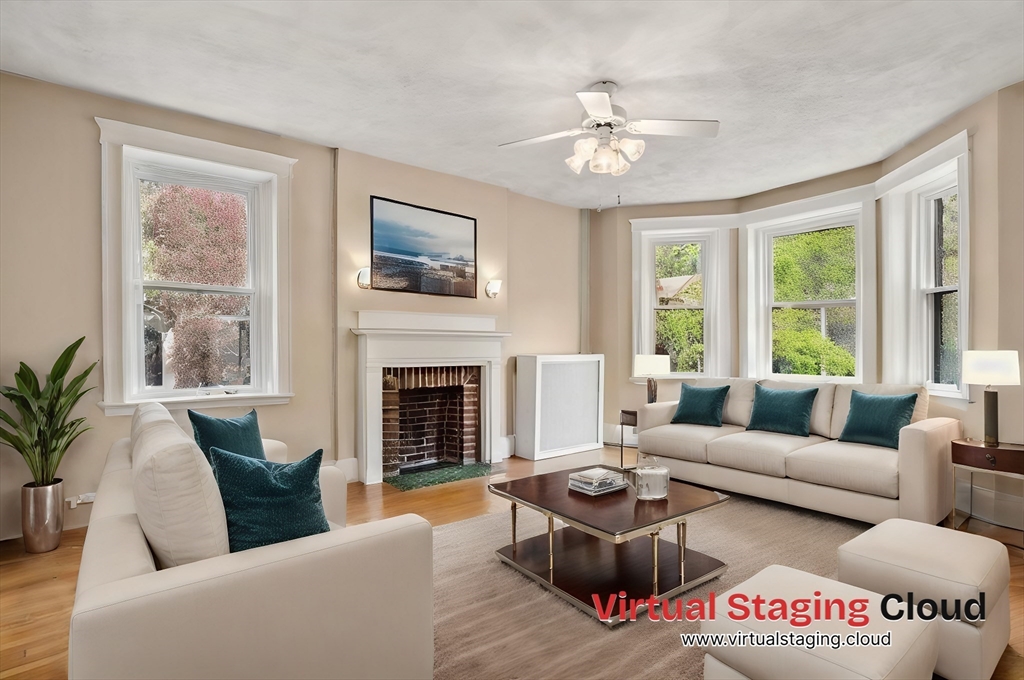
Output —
(585, 565)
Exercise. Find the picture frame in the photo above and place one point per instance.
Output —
(416, 249)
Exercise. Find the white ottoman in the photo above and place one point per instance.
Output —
(901, 556)
(911, 654)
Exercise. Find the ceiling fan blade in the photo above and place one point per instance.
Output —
(674, 128)
(545, 138)
(597, 104)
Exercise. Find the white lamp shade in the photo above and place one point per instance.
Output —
(623, 167)
(632, 148)
(585, 148)
(492, 288)
(605, 160)
(651, 364)
(991, 367)
(363, 277)
(575, 163)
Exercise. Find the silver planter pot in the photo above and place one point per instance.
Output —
(42, 516)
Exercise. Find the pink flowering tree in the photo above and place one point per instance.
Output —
(198, 236)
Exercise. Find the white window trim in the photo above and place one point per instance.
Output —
(712, 232)
(907, 350)
(128, 149)
(852, 206)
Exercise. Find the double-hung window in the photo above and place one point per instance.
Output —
(193, 266)
(808, 289)
(939, 253)
(814, 301)
(679, 305)
(682, 286)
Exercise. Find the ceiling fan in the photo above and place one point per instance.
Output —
(605, 148)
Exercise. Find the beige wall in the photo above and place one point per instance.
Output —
(50, 267)
(996, 127)
(531, 245)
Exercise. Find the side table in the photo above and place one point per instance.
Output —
(626, 419)
(1004, 459)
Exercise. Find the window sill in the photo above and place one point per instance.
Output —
(196, 402)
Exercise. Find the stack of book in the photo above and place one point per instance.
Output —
(597, 481)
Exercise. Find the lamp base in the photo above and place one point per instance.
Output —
(652, 391)
(991, 418)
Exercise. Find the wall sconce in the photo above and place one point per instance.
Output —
(363, 278)
(492, 288)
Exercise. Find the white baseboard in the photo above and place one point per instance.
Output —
(611, 435)
(350, 467)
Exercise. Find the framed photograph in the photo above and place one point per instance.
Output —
(421, 250)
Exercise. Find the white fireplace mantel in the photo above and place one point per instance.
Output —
(392, 339)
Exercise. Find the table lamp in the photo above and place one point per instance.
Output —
(988, 368)
(651, 365)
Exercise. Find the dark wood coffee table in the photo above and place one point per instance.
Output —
(596, 553)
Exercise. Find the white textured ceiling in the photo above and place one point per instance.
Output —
(803, 89)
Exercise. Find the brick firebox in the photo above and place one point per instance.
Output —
(430, 414)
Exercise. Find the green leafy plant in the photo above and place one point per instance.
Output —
(45, 433)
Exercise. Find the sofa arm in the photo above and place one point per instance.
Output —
(926, 469)
(334, 492)
(653, 415)
(332, 605)
(275, 451)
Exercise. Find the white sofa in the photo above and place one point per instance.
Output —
(859, 481)
(354, 602)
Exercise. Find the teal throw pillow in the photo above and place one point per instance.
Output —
(267, 502)
(701, 405)
(238, 435)
(877, 419)
(782, 411)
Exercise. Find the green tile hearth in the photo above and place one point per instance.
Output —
(456, 473)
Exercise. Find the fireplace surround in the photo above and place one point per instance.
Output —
(395, 340)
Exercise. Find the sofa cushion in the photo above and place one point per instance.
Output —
(821, 412)
(857, 467)
(700, 405)
(176, 497)
(757, 451)
(146, 415)
(240, 435)
(736, 410)
(267, 502)
(877, 419)
(841, 406)
(683, 441)
(782, 411)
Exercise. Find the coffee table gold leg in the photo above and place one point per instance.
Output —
(681, 540)
(551, 548)
(654, 559)
(513, 528)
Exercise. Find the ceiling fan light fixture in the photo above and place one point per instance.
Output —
(605, 160)
(622, 167)
(632, 148)
(576, 162)
(585, 148)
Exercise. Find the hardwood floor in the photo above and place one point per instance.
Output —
(37, 591)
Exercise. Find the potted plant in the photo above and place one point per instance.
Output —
(42, 438)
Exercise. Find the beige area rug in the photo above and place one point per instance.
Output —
(491, 623)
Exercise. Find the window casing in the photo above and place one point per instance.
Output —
(808, 289)
(925, 268)
(681, 294)
(195, 294)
